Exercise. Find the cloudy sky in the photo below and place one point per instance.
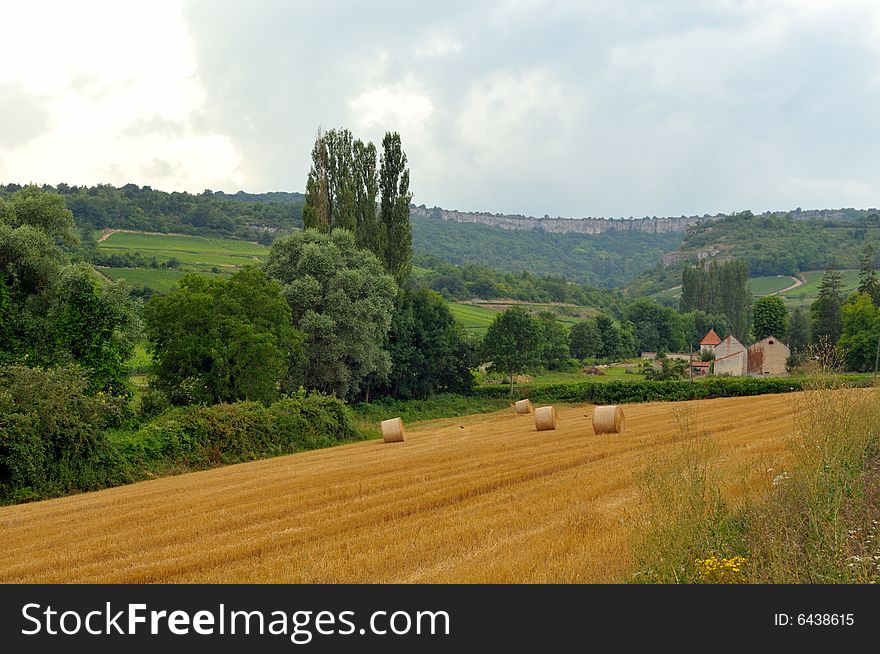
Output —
(604, 108)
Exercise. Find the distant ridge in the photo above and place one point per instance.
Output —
(648, 225)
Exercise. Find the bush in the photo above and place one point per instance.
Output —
(203, 436)
(52, 433)
(623, 392)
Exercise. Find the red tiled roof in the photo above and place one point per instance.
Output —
(711, 338)
(700, 364)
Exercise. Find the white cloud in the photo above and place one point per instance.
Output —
(102, 69)
(398, 104)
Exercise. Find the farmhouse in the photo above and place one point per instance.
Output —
(768, 357)
(731, 358)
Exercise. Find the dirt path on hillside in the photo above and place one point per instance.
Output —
(108, 232)
(798, 281)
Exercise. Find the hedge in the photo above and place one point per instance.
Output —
(623, 392)
(204, 436)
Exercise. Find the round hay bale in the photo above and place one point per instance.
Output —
(392, 430)
(608, 419)
(545, 418)
(523, 407)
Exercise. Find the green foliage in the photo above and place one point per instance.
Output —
(55, 313)
(605, 260)
(586, 342)
(208, 214)
(655, 327)
(469, 281)
(696, 324)
(860, 332)
(719, 288)
(555, 352)
(825, 318)
(513, 343)
(52, 433)
(342, 299)
(868, 282)
(798, 334)
(204, 436)
(395, 198)
(770, 317)
(623, 392)
(95, 323)
(216, 340)
(428, 349)
(669, 369)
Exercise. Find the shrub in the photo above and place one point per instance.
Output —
(203, 436)
(623, 392)
(52, 433)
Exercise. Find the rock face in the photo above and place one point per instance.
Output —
(563, 225)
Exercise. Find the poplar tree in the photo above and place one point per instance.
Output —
(394, 207)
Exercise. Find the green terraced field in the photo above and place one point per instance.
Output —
(805, 294)
(473, 318)
(196, 253)
(762, 286)
(158, 279)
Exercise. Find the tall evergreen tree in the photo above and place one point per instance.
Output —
(798, 331)
(868, 282)
(825, 319)
(394, 207)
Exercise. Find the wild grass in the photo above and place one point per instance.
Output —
(811, 517)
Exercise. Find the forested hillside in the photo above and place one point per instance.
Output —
(245, 216)
(604, 260)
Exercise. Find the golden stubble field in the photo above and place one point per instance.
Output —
(479, 499)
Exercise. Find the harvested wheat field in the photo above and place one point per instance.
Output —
(479, 499)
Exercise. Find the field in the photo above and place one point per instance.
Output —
(192, 253)
(158, 279)
(479, 499)
(476, 317)
(805, 294)
(762, 286)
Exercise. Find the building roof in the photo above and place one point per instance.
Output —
(700, 364)
(711, 338)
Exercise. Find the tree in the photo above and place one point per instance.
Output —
(51, 312)
(825, 317)
(217, 340)
(798, 335)
(342, 299)
(317, 209)
(368, 232)
(585, 339)
(513, 343)
(394, 207)
(428, 348)
(555, 351)
(770, 317)
(95, 322)
(655, 327)
(719, 288)
(696, 324)
(868, 283)
(860, 332)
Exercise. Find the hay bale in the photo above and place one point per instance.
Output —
(608, 419)
(523, 407)
(545, 418)
(392, 430)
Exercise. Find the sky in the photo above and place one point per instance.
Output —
(564, 108)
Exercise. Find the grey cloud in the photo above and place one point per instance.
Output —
(566, 108)
(23, 116)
